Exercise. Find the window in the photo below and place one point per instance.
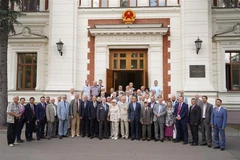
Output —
(30, 5)
(227, 3)
(128, 3)
(99, 3)
(232, 61)
(128, 60)
(26, 71)
(153, 3)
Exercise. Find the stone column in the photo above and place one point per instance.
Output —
(62, 25)
(196, 22)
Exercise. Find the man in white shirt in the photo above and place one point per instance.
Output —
(71, 95)
(86, 90)
(156, 88)
(51, 114)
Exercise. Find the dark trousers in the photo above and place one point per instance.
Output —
(94, 127)
(29, 129)
(152, 131)
(135, 129)
(103, 128)
(194, 132)
(11, 132)
(20, 127)
(182, 130)
(40, 128)
(85, 126)
(146, 131)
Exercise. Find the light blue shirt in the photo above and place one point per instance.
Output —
(134, 106)
(157, 89)
(159, 108)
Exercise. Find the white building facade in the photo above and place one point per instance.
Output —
(159, 45)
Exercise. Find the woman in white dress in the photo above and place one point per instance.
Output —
(114, 114)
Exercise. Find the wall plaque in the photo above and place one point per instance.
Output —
(197, 71)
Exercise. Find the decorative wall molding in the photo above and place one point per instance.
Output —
(230, 43)
(128, 38)
(26, 45)
(37, 30)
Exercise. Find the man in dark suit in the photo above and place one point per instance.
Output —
(181, 114)
(92, 114)
(134, 114)
(219, 122)
(102, 117)
(194, 120)
(206, 111)
(41, 118)
(151, 104)
(30, 110)
(84, 116)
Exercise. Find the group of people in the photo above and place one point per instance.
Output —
(130, 114)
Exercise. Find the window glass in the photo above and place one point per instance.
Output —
(124, 3)
(235, 77)
(133, 64)
(234, 57)
(133, 3)
(104, 3)
(153, 2)
(122, 64)
(161, 2)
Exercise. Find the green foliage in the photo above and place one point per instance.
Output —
(8, 17)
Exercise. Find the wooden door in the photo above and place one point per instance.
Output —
(109, 80)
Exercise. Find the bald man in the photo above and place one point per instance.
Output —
(13, 114)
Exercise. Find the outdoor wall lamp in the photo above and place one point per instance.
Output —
(60, 46)
(198, 44)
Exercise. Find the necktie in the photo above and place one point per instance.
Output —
(192, 108)
(65, 104)
(217, 109)
(43, 106)
(146, 111)
(33, 113)
(77, 106)
(179, 109)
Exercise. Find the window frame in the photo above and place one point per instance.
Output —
(230, 63)
(158, 3)
(100, 4)
(128, 2)
(24, 71)
(216, 4)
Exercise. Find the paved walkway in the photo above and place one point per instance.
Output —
(86, 149)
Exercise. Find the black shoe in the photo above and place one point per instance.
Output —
(32, 139)
(184, 143)
(148, 139)
(143, 139)
(60, 137)
(29, 140)
(222, 149)
(65, 136)
(209, 146)
(91, 137)
(83, 135)
(38, 139)
(203, 144)
(100, 138)
(20, 141)
(216, 147)
(132, 139)
(176, 141)
(194, 144)
(156, 140)
(49, 138)
(190, 142)
(162, 140)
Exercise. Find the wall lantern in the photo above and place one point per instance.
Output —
(60, 46)
(198, 44)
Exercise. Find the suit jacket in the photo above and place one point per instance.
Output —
(29, 113)
(50, 112)
(84, 111)
(134, 114)
(183, 111)
(102, 114)
(146, 118)
(162, 113)
(195, 115)
(73, 107)
(208, 112)
(149, 104)
(92, 110)
(63, 110)
(123, 111)
(219, 118)
(41, 111)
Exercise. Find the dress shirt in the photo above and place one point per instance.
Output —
(55, 110)
(134, 106)
(204, 110)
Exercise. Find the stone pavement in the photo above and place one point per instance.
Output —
(86, 149)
